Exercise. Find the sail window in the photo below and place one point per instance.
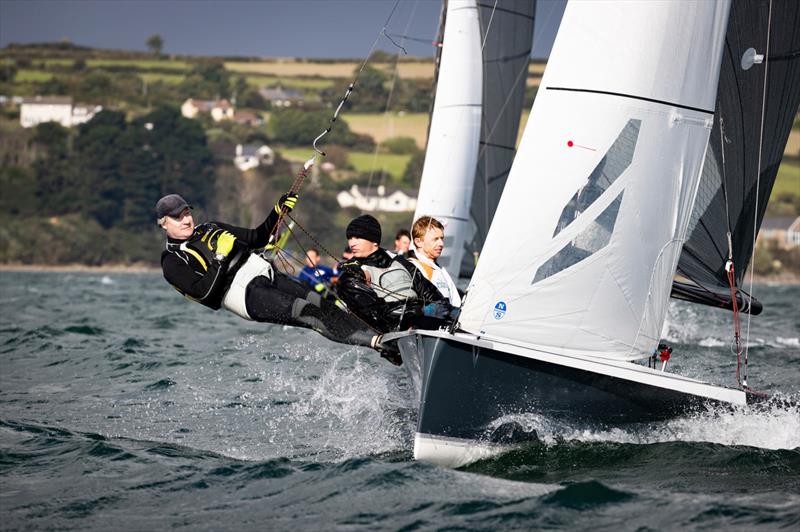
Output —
(589, 241)
(614, 162)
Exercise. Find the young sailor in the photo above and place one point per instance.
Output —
(386, 290)
(213, 264)
(314, 274)
(428, 234)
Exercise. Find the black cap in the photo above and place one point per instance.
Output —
(171, 205)
(366, 227)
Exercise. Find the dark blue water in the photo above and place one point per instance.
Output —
(123, 406)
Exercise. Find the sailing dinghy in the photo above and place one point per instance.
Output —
(574, 279)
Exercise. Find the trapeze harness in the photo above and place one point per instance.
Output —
(242, 264)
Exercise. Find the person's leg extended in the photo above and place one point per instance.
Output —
(289, 302)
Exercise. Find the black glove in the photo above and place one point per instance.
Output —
(286, 202)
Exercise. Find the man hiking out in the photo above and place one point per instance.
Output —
(215, 265)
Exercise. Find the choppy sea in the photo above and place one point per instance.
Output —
(123, 406)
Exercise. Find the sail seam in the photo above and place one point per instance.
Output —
(632, 96)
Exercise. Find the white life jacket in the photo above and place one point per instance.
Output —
(391, 284)
(234, 298)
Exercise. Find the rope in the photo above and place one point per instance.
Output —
(758, 181)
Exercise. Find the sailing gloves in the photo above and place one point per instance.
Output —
(224, 245)
(443, 311)
(286, 202)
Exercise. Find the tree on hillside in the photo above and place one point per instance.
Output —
(207, 80)
(298, 127)
(155, 43)
(370, 94)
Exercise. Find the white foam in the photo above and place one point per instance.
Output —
(788, 342)
(772, 428)
(106, 280)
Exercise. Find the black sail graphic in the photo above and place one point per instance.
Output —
(507, 27)
(727, 200)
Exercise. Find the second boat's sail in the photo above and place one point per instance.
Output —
(726, 202)
(452, 150)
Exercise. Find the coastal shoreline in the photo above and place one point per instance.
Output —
(105, 268)
(784, 279)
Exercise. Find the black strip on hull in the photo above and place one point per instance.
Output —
(463, 389)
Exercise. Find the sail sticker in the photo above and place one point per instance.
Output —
(500, 309)
(570, 144)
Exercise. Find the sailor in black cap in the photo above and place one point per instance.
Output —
(214, 264)
(384, 289)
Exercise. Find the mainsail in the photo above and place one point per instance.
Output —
(586, 238)
(507, 31)
(726, 200)
(452, 150)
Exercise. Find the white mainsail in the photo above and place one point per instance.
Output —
(581, 253)
(453, 140)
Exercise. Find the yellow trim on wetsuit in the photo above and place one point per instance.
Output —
(197, 256)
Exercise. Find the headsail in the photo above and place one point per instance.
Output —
(507, 31)
(581, 253)
(726, 198)
(452, 151)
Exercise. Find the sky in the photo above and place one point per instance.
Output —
(252, 28)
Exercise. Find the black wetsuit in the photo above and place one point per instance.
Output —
(362, 299)
(189, 266)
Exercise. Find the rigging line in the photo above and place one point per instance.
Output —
(725, 181)
(350, 87)
(409, 38)
(388, 104)
(489, 26)
(758, 181)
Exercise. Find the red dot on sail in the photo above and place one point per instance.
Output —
(570, 143)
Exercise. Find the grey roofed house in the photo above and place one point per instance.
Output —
(282, 97)
(784, 230)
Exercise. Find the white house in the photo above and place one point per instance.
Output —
(83, 113)
(39, 109)
(380, 200)
(784, 231)
(793, 233)
(252, 156)
(218, 109)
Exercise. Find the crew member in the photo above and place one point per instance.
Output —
(314, 274)
(384, 290)
(428, 233)
(214, 264)
(402, 242)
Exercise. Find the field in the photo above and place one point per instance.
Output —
(788, 179)
(382, 126)
(363, 162)
(420, 70)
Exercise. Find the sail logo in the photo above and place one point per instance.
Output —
(500, 309)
